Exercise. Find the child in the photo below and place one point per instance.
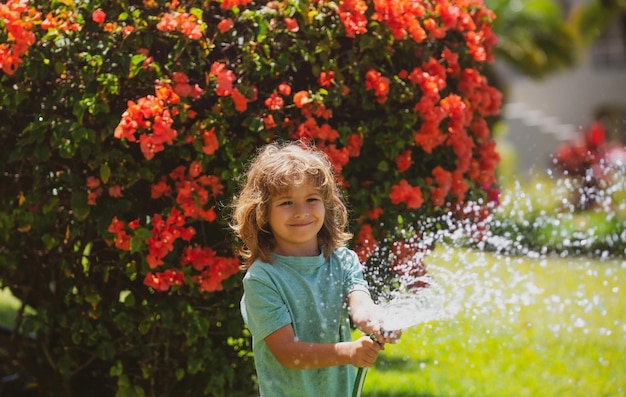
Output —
(302, 284)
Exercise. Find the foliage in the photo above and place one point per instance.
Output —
(592, 18)
(533, 36)
(126, 126)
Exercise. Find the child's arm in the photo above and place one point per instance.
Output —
(367, 317)
(295, 354)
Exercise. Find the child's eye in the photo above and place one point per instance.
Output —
(284, 203)
(313, 199)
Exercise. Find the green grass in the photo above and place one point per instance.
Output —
(567, 337)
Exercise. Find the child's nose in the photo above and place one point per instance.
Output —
(301, 210)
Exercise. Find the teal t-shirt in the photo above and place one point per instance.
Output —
(310, 293)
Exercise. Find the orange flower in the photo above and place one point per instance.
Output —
(301, 98)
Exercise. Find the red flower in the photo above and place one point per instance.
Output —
(224, 78)
(93, 182)
(210, 145)
(98, 16)
(375, 213)
(444, 182)
(115, 191)
(274, 102)
(284, 89)
(159, 189)
(407, 194)
(355, 142)
(224, 25)
(327, 78)
(195, 169)
(122, 239)
(352, 15)
(268, 122)
(376, 82)
(292, 24)
(164, 280)
(403, 161)
(595, 136)
(365, 243)
(229, 4)
(241, 102)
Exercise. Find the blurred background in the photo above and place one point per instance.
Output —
(562, 66)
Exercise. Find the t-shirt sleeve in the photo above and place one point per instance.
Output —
(353, 280)
(262, 306)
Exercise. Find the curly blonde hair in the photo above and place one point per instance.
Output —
(276, 169)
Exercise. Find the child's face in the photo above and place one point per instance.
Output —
(295, 217)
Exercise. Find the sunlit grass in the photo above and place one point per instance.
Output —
(567, 339)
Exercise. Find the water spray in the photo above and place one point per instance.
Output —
(405, 310)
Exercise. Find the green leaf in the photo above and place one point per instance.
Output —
(136, 64)
(105, 172)
(197, 12)
(262, 32)
(50, 205)
(142, 233)
(117, 369)
(49, 241)
(80, 208)
(136, 244)
(93, 299)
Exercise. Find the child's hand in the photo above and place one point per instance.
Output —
(364, 352)
(391, 336)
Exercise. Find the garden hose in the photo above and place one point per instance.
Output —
(358, 383)
(360, 375)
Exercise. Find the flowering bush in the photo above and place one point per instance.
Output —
(592, 163)
(130, 123)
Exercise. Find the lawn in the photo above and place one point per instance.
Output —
(515, 327)
(521, 327)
